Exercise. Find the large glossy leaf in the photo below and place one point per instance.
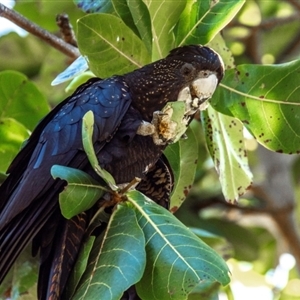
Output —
(225, 141)
(219, 45)
(12, 135)
(182, 157)
(207, 291)
(177, 260)
(117, 261)
(164, 16)
(110, 46)
(202, 20)
(80, 194)
(187, 20)
(142, 21)
(123, 11)
(20, 99)
(267, 100)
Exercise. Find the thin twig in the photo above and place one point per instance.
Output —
(33, 28)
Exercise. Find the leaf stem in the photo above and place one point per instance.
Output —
(41, 33)
(131, 184)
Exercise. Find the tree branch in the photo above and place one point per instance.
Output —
(295, 3)
(278, 21)
(279, 196)
(33, 28)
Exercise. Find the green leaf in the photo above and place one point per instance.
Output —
(117, 261)
(217, 242)
(12, 135)
(123, 11)
(79, 268)
(202, 20)
(205, 291)
(219, 45)
(177, 260)
(225, 141)
(176, 111)
(142, 21)
(267, 100)
(87, 135)
(164, 16)
(81, 193)
(182, 157)
(188, 19)
(110, 46)
(20, 99)
(135, 15)
(79, 80)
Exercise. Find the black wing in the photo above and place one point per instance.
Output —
(29, 195)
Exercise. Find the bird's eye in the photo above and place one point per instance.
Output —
(187, 69)
(204, 74)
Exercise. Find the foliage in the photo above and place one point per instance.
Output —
(122, 36)
(260, 99)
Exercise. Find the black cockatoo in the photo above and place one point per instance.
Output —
(130, 134)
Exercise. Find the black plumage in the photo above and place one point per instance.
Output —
(29, 209)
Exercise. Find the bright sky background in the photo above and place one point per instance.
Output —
(7, 26)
